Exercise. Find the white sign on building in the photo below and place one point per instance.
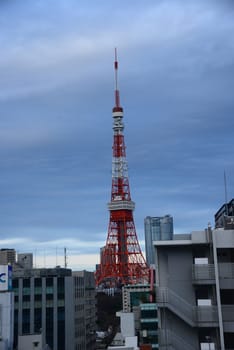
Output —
(5, 278)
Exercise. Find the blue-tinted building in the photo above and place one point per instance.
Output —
(157, 228)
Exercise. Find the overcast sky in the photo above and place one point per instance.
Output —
(176, 81)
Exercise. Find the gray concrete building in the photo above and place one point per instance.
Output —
(7, 256)
(57, 303)
(227, 210)
(156, 228)
(195, 290)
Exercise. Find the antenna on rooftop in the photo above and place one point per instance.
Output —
(65, 258)
(225, 190)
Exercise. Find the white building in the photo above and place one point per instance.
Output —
(6, 309)
(126, 339)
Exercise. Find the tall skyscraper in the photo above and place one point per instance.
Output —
(156, 228)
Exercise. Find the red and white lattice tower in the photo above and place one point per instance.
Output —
(122, 261)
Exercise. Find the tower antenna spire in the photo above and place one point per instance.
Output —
(117, 98)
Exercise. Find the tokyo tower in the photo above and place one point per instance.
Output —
(122, 261)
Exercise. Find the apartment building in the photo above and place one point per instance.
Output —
(195, 289)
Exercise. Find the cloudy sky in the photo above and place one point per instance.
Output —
(176, 80)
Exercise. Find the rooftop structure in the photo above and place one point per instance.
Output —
(224, 217)
(7, 256)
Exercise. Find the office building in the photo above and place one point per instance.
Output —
(195, 290)
(156, 228)
(58, 304)
(7, 256)
(138, 299)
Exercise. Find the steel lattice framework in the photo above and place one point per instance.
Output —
(122, 261)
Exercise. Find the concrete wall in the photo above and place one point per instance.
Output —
(127, 323)
(3, 345)
(178, 330)
(30, 342)
(224, 238)
(7, 317)
(175, 271)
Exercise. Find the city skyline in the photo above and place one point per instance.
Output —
(56, 97)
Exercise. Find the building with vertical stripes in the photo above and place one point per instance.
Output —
(58, 304)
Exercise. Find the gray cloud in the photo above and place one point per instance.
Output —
(56, 96)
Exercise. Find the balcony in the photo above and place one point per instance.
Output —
(203, 274)
(206, 316)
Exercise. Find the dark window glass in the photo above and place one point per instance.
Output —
(15, 283)
(49, 281)
(26, 283)
(49, 326)
(229, 340)
(26, 321)
(37, 320)
(61, 328)
(38, 297)
(26, 297)
(49, 296)
(15, 328)
(37, 282)
(149, 314)
(61, 288)
(227, 296)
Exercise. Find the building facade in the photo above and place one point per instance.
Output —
(156, 228)
(195, 290)
(225, 214)
(58, 304)
(138, 300)
(7, 256)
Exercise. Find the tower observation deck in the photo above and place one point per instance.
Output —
(122, 261)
